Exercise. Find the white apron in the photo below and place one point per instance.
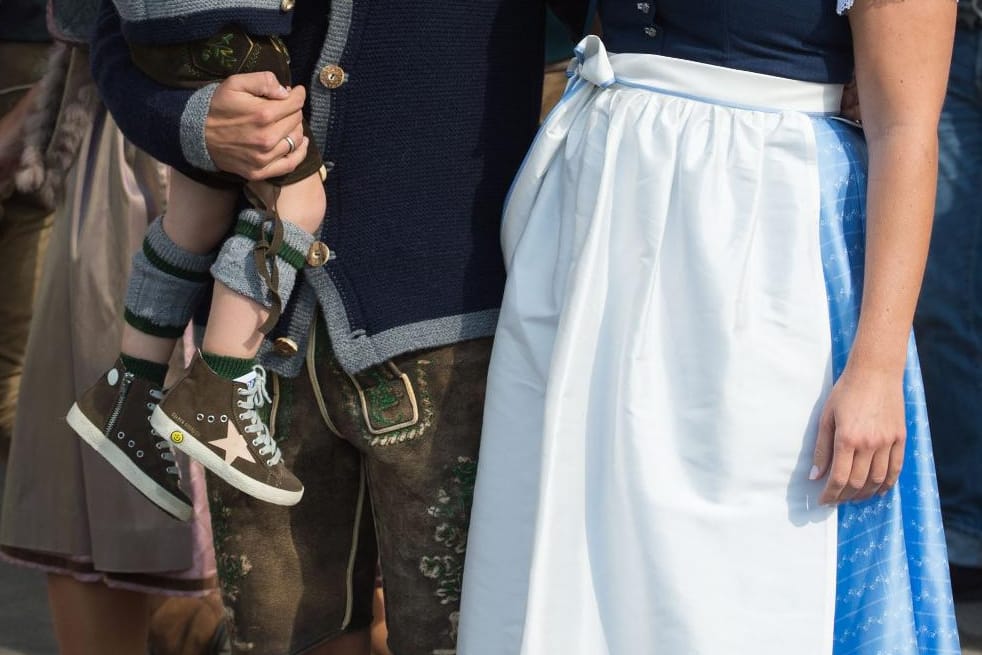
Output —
(663, 354)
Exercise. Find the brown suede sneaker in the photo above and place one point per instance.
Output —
(113, 416)
(216, 422)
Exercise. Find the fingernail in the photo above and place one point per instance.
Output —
(813, 474)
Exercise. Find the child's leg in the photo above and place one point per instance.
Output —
(235, 319)
(303, 203)
(172, 272)
(213, 413)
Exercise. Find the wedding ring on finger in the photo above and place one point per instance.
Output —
(290, 142)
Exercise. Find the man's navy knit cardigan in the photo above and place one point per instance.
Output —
(438, 107)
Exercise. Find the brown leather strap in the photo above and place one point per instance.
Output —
(264, 256)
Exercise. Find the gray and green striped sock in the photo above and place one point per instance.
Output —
(236, 265)
(166, 285)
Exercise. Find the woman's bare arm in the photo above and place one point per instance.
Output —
(903, 52)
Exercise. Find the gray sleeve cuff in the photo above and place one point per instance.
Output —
(193, 128)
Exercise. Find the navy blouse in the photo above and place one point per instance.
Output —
(798, 39)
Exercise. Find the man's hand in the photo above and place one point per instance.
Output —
(250, 117)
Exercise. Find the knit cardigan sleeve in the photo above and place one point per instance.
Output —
(166, 122)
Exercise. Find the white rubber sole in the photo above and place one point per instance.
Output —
(92, 435)
(199, 452)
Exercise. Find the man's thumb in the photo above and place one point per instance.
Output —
(263, 84)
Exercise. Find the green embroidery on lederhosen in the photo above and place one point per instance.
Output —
(382, 401)
(284, 411)
(384, 398)
(219, 50)
(452, 509)
(231, 568)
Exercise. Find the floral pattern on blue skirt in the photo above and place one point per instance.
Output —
(893, 596)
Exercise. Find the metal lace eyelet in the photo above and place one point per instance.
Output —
(150, 406)
(120, 435)
(139, 453)
(211, 418)
(200, 417)
(224, 418)
(130, 444)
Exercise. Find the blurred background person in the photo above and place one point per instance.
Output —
(948, 322)
(122, 577)
(25, 216)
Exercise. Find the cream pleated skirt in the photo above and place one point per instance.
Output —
(65, 510)
(684, 245)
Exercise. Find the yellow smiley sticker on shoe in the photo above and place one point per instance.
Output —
(177, 437)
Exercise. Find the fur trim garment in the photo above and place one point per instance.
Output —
(54, 129)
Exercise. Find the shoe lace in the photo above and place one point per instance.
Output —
(255, 397)
(156, 395)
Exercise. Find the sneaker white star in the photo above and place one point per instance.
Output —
(217, 422)
(234, 445)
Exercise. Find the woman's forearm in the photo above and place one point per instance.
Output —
(903, 51)
(900, 208)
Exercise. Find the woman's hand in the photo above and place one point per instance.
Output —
(861, 436)
(250, 116)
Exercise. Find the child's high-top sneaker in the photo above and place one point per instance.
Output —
(113, 416)
(216, 421)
